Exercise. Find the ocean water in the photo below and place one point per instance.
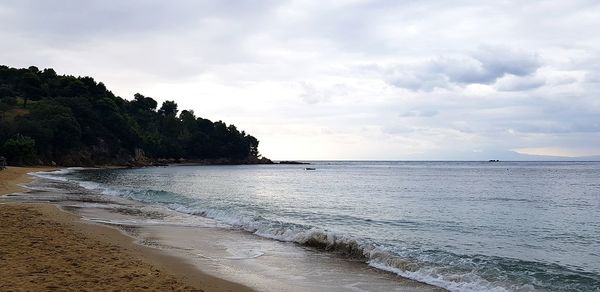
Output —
(464, 226)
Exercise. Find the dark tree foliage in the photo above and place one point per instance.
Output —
(19, 150)
(75, 120)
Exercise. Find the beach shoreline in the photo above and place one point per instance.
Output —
(203, 255)
(12, 177)
(44, 247)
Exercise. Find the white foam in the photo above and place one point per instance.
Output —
(243, 254)
(59, 174)
(376, 257)
(89, 185)
(429, 276)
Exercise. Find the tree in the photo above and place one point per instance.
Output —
(76, 120)
(19, 150)
(142, 103)
(253, 143)
(59, 120)
(168, 108)
(188, 121)
(5, 91)
(31, 87)
(75, 88)
(48, 73)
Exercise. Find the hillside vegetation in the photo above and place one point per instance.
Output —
(46, 118)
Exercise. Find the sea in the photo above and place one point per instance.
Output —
(461, 226)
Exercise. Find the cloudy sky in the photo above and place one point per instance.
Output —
(352, 79)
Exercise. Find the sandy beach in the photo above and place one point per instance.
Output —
(44, 248)
(11, 177)
(59, 236)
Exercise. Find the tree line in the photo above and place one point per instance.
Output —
(46, 117)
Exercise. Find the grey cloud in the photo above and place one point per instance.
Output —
(516, 83)
(499, 61)
(73, 19)
(311, 95)
(287, 55)
(398, 130)
(424, 113)
(484, 66)
(417, 80)
(463, 70)
(152, 40)
(592, 77)
(314, 94)
(531, 115)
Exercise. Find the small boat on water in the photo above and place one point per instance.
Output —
(310, 168)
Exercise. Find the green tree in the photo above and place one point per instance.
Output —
(19, 150)
(168, 108)
(142, 103)
(78, 120)
(5, 91)
(32, 87)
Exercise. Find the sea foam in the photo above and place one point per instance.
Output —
(451, 271)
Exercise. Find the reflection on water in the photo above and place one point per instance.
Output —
(466, 226)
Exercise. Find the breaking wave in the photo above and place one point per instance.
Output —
(440, 268)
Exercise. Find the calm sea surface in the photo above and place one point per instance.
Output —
(465, 226)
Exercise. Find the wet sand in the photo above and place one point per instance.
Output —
(44, 248)
(12, 177)
(79, 241)
(235, 255)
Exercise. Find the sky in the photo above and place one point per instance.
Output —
(358, 79)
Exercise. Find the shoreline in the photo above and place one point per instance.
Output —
(209, 258)
(12, 177)
(72, 252)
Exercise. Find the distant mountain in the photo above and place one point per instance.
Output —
(499, 155)
(527, 157)
(47, 118)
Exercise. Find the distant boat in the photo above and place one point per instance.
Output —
(494, 160)
(310, 168)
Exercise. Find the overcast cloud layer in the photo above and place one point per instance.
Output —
(341, 79)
